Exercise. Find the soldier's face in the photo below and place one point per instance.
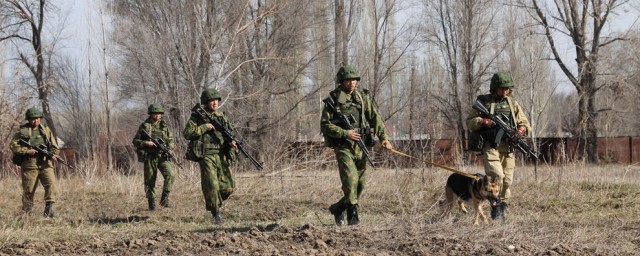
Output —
(349, 85)
(34, 122)
(156, 116)
(213, 104)
(502, 92)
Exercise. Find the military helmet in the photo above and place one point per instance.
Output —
(209, 94)
(347, 72)
(32, 113)
(155, 108)
(501, 79)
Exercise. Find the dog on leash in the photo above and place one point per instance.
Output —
(461, 188)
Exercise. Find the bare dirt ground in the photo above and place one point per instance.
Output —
(572, 210)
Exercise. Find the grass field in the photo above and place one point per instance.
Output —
(566, 210)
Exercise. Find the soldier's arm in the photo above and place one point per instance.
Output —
(329, 128)
(193, 131)
(170, 141)
(53, 141)
(16, 147)
(521, 119)
(137, 139)
(375, 120)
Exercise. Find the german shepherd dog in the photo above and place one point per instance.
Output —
(476, 190)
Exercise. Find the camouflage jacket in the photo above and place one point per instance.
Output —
(196, 129)
(159, 130)
(359, 105)
(507, 108)
(35, 136)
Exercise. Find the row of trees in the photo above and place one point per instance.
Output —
(423, 61)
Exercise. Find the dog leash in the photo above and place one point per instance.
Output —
(432, 163)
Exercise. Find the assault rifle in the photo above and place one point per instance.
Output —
(42, 149)
(346, 123)
(513, 137)
(226, 133)
(162, 145)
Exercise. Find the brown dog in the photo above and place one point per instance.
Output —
(468, 189)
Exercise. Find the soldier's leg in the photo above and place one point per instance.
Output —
(361, 166)
(226, 180)
(166, 169)
(493, 165)
(150, 176)
(348, 175)
(29, 185)
(508, 165)
(209, 182)
(48, 179)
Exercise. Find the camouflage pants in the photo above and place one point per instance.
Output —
(30, 177)
(217, 181)
(151, 167)
(352, 167)
(500, 165)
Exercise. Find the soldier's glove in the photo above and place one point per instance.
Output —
(486, 122)
(520, 133)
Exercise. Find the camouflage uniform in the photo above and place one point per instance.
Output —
(499, 162)
(153, 157)
(351, 160)
(216, 178)
(36, 168)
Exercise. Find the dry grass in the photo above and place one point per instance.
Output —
(568, 209)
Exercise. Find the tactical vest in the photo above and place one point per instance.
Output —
(350, 105)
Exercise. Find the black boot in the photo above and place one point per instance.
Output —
(152, 204)
(338, 211)
(352, 214)
(217, 218)
(164, 200)
(48, 210)
(503, 208)
(497, 209)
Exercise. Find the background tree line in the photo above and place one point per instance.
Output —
(424, 62)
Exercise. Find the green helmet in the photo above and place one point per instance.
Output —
(501, 79)
(32, 113)
(347, 72)
(209, 94)
(155, 108)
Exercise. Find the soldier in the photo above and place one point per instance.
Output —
(213, 152)
(351, 161)
(36, 167)
(499, 160)
(153, 157)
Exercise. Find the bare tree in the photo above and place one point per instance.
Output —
(465, 34)
(25, 22)
(583, 22)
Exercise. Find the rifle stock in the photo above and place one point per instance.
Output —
(163, 146)
(42, 150)
(346, 122)
(504, 129)
(226, 132)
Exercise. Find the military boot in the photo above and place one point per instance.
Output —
(503, 208)
(48, 210)
(338, 211)
(164, 200)
(217, 218)
(496, 209)
(152, 204)
(352, 214)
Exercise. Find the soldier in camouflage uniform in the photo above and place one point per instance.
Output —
(351, 161)
(153, 157)
(499, 161)
(36, 167)
(214, 153)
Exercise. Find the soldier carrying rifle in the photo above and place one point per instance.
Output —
(152, 155)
